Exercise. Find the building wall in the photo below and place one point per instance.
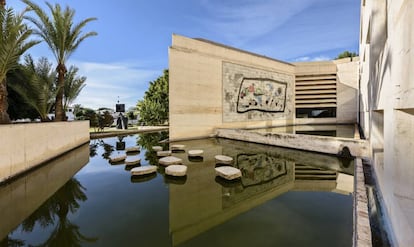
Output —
(24, 146)
(387, 106)
(200, 102)
(214, 86)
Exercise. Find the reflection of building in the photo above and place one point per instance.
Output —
(267, 173)
(31, 191)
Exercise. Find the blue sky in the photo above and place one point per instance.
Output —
(131, 48)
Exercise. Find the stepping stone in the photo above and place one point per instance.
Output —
(195, 153)
(170, 160)
(177, 147)
(228, 172)
(129, 161)
(164, 153)
(222, 159)
(117, 158)
(132, 149)
(157, 148)
(176, 170)
(143, 170)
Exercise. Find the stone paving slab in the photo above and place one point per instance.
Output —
(170, 160)
(228, 172)
(176, 170)
(195, 153)
(223, 159)
(143, 170)
(164, 153)
(132, 161)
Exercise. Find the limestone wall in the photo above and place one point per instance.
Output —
(206, 80)
(24, 146)
(387, 106)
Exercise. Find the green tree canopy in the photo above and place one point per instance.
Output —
(346, 54)
(73, 86)
(14, 42)
(62, 36)
(153, 108)
(36, 85)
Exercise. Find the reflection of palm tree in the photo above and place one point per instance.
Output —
(148, 140)
(65, 200)
(66, 234)
(6, 242)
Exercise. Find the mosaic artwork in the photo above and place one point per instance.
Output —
(260, 94)
(255, 94)
(260, 168)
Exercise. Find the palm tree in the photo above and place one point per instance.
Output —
(63, 38)
(36, 85)
(73, 86)
(13, 39)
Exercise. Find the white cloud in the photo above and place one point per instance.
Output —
(108, 81)
(314, 58)
(242, 21)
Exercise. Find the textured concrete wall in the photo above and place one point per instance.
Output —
(347, 90)
(24, 146)
(387, 106)
(196, 86)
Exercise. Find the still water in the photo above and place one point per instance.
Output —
(285, 198)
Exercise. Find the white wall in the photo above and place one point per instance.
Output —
(387, 106)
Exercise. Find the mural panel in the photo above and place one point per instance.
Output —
(261, 95)
(253, 94)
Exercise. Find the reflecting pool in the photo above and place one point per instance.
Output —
(284, 198)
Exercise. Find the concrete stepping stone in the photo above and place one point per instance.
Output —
(133, 149)
(130, 161)
(170, 160)
(176, 170)
(117, 158)
(164, 153)
(195, 153)
(222, 159)
(156, 148)
(228, 172)
(177, 147)
(143, 170)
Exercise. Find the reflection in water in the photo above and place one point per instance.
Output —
(54, 212)
(148, 140)
(267, 173)
(65, 200)
(196, 210)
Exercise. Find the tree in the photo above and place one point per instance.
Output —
(63, 38)
(73, 86)
(14, 42)
(347, 54)
(153, 108)
(36, 85)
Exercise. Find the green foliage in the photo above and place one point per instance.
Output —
(35, 82)
(105, 120)
(347, 54)
(18, 108)
(73, 86)
(62, 36)
(153, 108)
(14, 42)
